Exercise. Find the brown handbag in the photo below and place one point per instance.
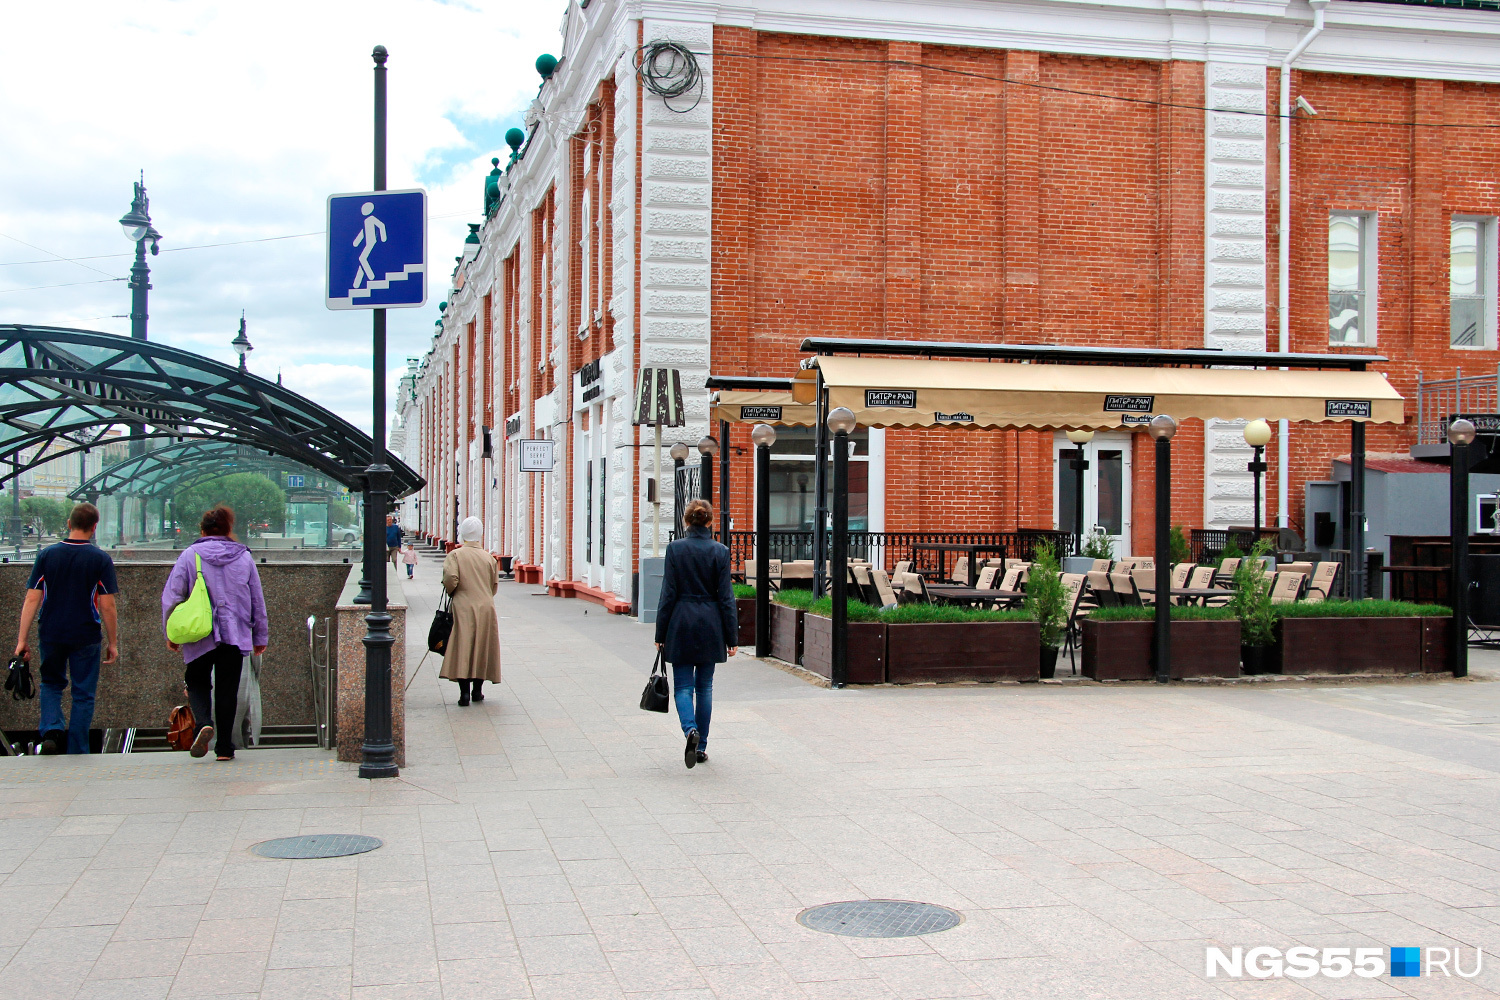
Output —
(180, 728)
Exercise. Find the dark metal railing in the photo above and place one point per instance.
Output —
(1208, 544)
(886, 548)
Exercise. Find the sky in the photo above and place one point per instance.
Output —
(245, 117)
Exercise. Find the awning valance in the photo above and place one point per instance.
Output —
(919, 392)
(763, 406)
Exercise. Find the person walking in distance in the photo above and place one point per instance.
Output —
(393, 541)
(73, 585)
(697, 625)
(239, 627)
(409, 559)
(473, 652)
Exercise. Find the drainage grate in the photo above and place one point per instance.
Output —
(316, 845)
(880, 918)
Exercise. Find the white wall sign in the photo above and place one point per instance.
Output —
(538, 455)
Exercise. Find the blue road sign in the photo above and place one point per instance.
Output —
(377, 250)
(293, 482)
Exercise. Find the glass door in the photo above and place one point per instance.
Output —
(1106, 487)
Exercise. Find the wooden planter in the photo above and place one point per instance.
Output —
(963, 651)
(786, 633)
(746, 608)
(866, 649)
(1122, 651)
(1437, 645)
(1349, 646)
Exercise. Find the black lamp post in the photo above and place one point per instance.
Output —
(840, 422)
(763, 436)
(724, 485)
(679, 453)
(1162, 428)
(1257, 436)
(241, 343)
(1079, 463)
(1460, 436)
(137, 227)
(708, 448)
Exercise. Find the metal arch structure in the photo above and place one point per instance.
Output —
(69, 387)
(165, 472)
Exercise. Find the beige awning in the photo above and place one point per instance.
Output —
(920, 392)
(763, 406)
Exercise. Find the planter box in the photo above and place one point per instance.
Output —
(866, 649)
(786, 633)
(1437, 645)
(1347, 646)
(1077, 564)
(746, 608)
(963, 651)
(1121, 651)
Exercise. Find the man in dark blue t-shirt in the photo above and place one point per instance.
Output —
(73, 584)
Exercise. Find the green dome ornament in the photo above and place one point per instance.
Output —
(514, 137)
(546, 65)
(473, 237)
(492, 188)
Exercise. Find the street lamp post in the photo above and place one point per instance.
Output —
(708, 448)
(1460, 436)
(763, 436)
(1079, 464)
(241, 343)
(136, 224)
(1162, 428)
(1257, 436)
(679, 455)
(840, 422)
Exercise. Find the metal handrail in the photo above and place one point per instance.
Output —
(321, 674)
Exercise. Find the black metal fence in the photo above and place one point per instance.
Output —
(688, 485)
(1208, 544)
(886, 548)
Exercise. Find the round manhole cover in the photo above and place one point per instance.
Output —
(880, 918)
(316, 845)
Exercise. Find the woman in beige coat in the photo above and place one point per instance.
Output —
(473, 653)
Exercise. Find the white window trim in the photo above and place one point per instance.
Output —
(1487, 277)
(1369, 235)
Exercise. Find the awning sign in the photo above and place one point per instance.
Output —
(904, 398)
(772, 413)
(1129, 404)
(1347, 408)
(953, 418)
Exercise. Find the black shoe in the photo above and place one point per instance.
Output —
(690, 755)
(702, 757)
(53, 742)
(463, 699)
(477, 694)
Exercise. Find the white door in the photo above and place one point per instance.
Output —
(1106, 487)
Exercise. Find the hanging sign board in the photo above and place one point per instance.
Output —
(538, 455)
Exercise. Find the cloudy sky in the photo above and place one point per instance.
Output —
(245, 117)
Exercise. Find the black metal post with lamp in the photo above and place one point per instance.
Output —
(1162, 427)
(136, 224)
(724, 522)
(1257, 436)
(763, 436)
(708, 448)
(241, 343)
(1460, 436)
(841, 423)
(1079, 463)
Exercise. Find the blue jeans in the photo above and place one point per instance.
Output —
(688, 681)
(62, 662)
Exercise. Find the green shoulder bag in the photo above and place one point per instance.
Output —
(193, 619)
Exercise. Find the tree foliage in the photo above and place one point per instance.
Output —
(258, 503)
(51, 511)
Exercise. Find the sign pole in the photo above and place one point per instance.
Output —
(379, 751)
(656, 504)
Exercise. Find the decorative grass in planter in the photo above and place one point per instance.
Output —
(866, 652)
(1117, 643)
(787, 609)
(1355, 637)
(936, 643)
(744, 605)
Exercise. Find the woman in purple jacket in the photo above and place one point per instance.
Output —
(239, 626)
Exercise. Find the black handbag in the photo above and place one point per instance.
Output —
(658, 693)
(18, 680)
(442, 626)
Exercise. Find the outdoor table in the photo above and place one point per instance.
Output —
(1196, 595)
(974, 595)
(972, 551)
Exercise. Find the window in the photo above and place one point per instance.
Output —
(794, 497)
(1471, 282)
(1351, 278)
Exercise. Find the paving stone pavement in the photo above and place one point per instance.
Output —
(549, 843)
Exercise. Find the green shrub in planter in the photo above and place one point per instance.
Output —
(1178, 544)
(1251, 602)
(917, 614)
(1180, 613)
(1360, 609)
(1231, 551)
(858, 611)
(1046, 599)
(744, 592)
(794, 597)
(1097, 544)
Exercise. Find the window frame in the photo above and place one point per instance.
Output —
(1487, 280)
(1369, 259)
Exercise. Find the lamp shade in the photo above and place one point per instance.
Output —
(1257, 433)
(1080, 437)
(709, 446)
(841, 420)
(763, 435)
(1162, 427)
(679, 452)
(1461, 432)
(134, 224)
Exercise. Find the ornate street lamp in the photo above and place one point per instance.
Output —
(1079, 464)
(763, 436)
(708, 447)
(136, 224)
(1461, 435)
(1162, 428)
(1257, 436)
(841, 423)
(241, 343)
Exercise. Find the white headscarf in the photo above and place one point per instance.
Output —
(470, 529)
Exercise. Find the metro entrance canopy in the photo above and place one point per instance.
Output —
(69, 388)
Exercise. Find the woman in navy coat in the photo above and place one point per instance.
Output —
(697, 625)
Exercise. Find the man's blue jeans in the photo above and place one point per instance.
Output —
(62, 662)
(688, 681)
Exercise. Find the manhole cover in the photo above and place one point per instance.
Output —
(880, 918)
(316, 845)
